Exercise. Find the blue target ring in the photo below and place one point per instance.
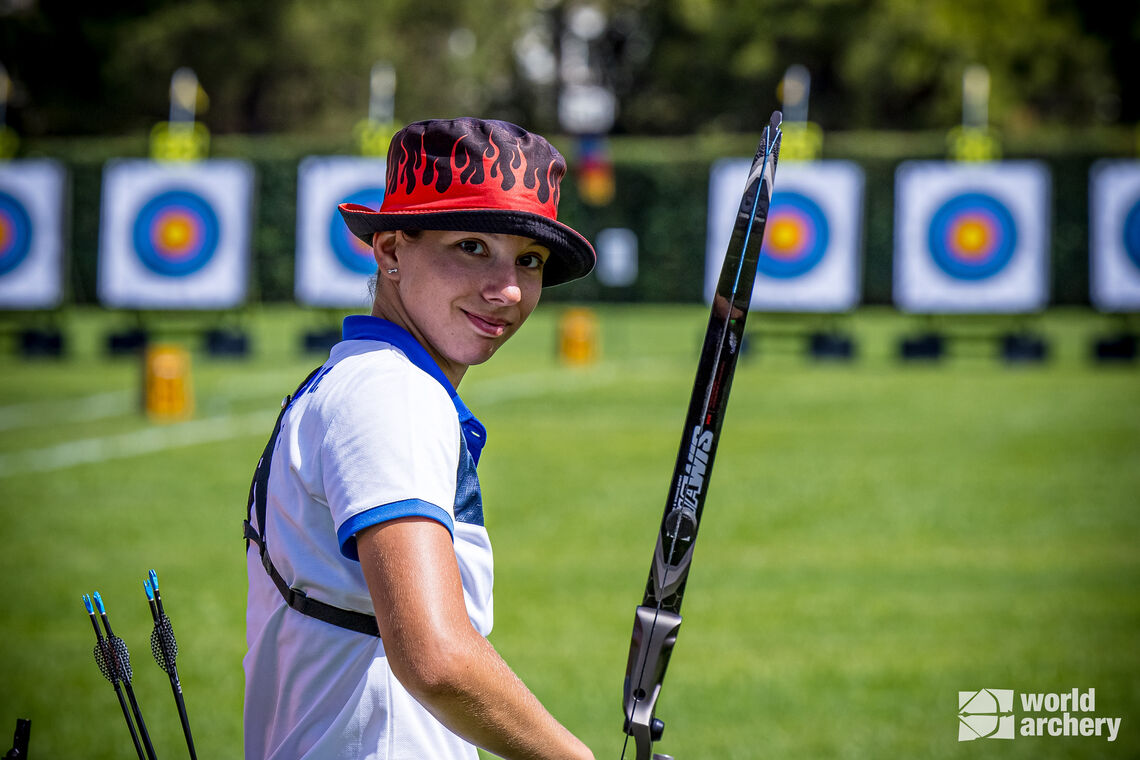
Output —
(15, 233)
(352, 252)
(796, 236)
(1132, 234)
(972, 236)
(176, 233)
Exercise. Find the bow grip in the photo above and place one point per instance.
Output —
(654, 633)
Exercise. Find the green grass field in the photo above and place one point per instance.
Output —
(878, 537)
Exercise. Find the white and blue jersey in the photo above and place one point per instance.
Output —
(377, 434)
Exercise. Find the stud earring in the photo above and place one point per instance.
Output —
(393, 271)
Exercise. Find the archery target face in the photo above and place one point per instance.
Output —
(1132, 234)
(15, 233)
(32, 202)
(353, 253)
(971, 237)
(1114, 235)
(333, 265)
(617, 257)
(176, 233)
(796, 236)
(175, 236)
(811, 256)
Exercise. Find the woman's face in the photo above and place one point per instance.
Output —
(460, 294)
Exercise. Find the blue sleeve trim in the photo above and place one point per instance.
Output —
(346, 534)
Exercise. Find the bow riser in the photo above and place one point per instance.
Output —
(654, 633)
(658, 619)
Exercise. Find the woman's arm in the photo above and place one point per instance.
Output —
(439, 657)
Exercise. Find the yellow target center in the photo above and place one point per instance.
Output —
(783, 236)
(970, 239)
(176, 235)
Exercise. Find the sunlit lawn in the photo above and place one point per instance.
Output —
(878, 537)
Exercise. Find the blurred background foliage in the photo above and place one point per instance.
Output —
(676, 66)
(694, 81)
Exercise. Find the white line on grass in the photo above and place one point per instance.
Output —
(100, 406)
(136, 443)
(82, 409)
(219, 428)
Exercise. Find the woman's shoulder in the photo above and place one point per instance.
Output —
(377, 373)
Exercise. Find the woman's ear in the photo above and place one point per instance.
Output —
(384, 251)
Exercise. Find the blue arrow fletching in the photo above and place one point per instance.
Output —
(99, 604)
(87, 604)
(154, 580)
(149, 590)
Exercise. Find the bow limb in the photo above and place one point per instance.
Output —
(658, 619)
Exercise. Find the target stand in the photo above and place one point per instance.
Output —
(809, 273)
(819, 337)
(174, 252)
(218, 341)
(34, 198)
(334, 267)
(226, 342)
(1012, 339)
(1114, 260)
(1120, 344)
(1120, 347)
(130, 341)
(34, 335)
(806, 273)
(37, 342)
(130, 338)
(320, 342)
(831, 345)
(319, 339)
(971, 258)
(220, 334)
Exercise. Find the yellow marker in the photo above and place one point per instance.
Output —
(973, 144)
(373, 136)
(167, 392)
(802, 141)
(578, 336)
(179, 141)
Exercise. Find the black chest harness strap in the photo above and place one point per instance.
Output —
(294, 597)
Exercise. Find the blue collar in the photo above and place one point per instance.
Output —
(365, 327)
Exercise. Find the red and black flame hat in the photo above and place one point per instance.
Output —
(476, 176)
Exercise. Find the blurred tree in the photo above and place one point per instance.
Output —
(905, 63)
(677, 66)
(266, 66)
(1118, 25)
(716, 64)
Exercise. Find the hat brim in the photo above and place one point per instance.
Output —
(571, 255)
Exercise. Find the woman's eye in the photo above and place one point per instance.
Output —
(531, 261)
(471, 246)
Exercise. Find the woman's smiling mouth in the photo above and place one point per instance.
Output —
(488, 326)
